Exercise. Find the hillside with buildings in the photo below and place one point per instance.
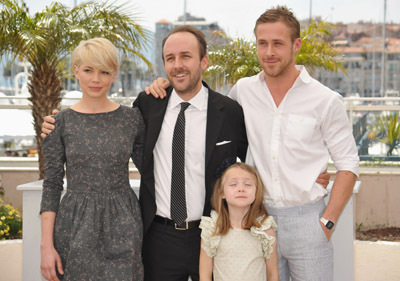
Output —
(360, 43)
(362, 47)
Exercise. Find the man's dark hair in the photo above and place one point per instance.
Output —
(201, 39)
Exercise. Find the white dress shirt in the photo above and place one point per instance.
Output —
(290, 145)
(195, 146)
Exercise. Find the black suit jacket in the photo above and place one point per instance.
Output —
(225, 122)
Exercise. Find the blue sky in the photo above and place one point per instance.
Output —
(237, 17)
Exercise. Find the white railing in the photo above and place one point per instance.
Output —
(358, 105)
(352, 104)
(27, 105)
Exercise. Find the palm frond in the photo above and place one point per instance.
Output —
(386, 129)
(232, 61)
(316, 51)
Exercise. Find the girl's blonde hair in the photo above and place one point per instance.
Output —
(219, 204)
(97, 52)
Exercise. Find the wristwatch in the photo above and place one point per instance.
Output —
(328, 224)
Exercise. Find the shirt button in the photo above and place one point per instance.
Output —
(275, 179)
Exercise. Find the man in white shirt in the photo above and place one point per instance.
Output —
(294, 124)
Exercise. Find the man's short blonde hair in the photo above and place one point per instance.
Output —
(284, 15)
(97, 52)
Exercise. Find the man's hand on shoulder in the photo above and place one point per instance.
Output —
(48, 124)
(157, 88)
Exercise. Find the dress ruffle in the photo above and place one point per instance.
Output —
(210, 241)
(260, 232)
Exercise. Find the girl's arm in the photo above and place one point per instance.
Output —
(50, 257)
(206, 265)
(272, 262)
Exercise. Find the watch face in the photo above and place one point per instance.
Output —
(329, 225)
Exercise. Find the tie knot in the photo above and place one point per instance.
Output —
(184, 106)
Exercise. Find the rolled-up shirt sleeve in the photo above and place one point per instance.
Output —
(339, 138)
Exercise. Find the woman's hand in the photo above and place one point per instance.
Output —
(50, 261)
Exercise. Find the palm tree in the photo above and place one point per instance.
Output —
(386, 129)
(238, 58)
(46, 38)
(230, 62)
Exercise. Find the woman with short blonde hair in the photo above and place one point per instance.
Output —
(95, 232)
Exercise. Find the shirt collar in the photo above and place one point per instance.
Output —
(199, 101)
(303, 77)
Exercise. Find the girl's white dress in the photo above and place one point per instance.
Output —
(240, 254)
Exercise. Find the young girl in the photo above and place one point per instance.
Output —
(238, 240)
(95, 233)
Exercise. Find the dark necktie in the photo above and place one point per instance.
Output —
(178, 197)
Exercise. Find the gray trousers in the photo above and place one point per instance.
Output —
(304, 252)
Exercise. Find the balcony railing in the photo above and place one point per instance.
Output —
(361, 113)
(370, 104)
(353, 104)
(26, 104)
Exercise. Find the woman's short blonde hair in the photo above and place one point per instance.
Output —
(97, 52)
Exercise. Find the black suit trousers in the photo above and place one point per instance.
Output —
(170, 254)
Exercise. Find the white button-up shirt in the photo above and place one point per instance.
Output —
(290, 145)
(195, 146)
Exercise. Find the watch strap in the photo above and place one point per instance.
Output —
(328, 224)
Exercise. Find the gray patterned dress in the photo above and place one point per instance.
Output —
(98, 227)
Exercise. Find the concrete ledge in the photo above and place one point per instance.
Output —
(11, 260)
(376, 261)
(372, 260)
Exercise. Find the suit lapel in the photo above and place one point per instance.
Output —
(155, 121)
(214, 122)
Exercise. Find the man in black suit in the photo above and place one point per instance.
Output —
(215, 133)
(214, 136)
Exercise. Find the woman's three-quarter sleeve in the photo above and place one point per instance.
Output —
(138, 145)
(54, 159)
